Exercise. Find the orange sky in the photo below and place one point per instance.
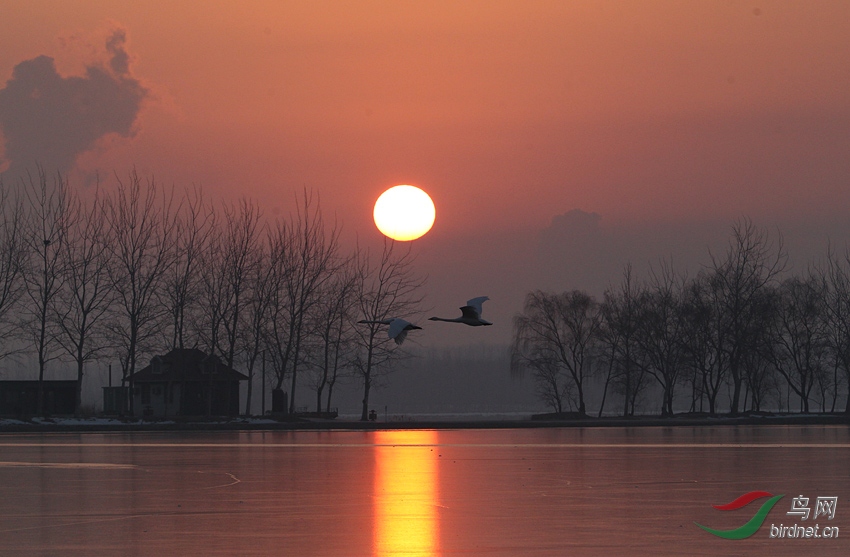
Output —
(507, 112)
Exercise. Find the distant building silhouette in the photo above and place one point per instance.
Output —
(186, 382)
(20, 398)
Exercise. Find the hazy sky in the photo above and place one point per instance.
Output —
(666, 119)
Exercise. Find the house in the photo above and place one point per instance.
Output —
(186, 382)
(20, 398)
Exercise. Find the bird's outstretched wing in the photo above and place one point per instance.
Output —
(399, 338)
(470, 312)
(398, 330)
(475, 304)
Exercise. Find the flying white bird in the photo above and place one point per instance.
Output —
(471, 313)
(398, 327)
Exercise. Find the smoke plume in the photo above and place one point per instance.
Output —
(48, 120)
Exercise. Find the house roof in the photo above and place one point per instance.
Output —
(187, 364)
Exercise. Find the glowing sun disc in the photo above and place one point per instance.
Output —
(404, 213)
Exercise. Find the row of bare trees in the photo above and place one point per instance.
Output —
(138, 270)
(742, 333)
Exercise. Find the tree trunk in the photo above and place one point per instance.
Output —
(78, 397)
(736, 395)
(581, 406)
(605, 391)
(249, 391)
(330, 392)
(364, 414)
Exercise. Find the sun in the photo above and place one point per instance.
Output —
(404, 213)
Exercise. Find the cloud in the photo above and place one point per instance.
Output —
(49, 120)
(573, 226)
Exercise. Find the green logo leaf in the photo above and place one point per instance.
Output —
(750, 527)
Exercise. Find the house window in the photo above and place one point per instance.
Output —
(146, 394)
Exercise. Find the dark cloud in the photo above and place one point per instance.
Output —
(47, 119)
(120, 60)
(573, 226)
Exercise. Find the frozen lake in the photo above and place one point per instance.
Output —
(506, 492)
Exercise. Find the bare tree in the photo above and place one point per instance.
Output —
(701, 339)
(214, 296)
(752, 264)
(554, 336)
(661, 332)
(310, 259)
(761, 382)
(837, 305)
(303, 253)
(387, 287)
(43, 241)
(13, 251)
(225, 266)
(621, 312)
(760, 378)
(240, 248)
(605, 355)
(259, 281)
(279, 331)
(798, 348)
(180, 284)
(142, 226)
(333, 332)
(86, 294)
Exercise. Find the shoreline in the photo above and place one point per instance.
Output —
(101, 425)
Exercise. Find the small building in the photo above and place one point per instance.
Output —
(186, 382)
(115, 400)
(20, 398)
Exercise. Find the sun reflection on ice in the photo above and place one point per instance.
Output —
(405, 519)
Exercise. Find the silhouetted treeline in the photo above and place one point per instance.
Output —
(132, 270)
(742, 335)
